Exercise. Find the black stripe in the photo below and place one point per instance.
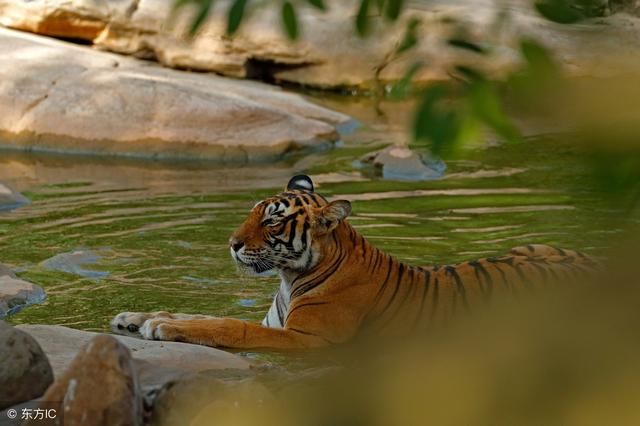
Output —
(453, 271)
(560, 251)
(425, 291)
(502, 274)
(401, 270)
(302, 306)
(480, 271)
(304, 287)
(306, 333)
(434, 299)
(384, 283)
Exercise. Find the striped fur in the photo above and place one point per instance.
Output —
(334, 283)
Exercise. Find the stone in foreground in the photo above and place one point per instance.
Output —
(61, 345)
(60, 97)
(99, 386)
(25, 372)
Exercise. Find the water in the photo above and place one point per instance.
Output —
(104, 236)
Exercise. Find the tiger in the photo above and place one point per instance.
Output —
(335, 284)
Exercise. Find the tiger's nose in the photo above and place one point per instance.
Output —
(236, 244)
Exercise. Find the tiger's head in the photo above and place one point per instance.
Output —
(287, 232)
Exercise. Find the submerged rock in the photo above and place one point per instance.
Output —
(401, 163)
(15, 293)
(99, 387)
(60, 97)
(73, 262)
(25, 372)
(10, 199)
(329, 54)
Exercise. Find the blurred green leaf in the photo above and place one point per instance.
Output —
(435, 123)
(380, 5)
(486, 105)
(290, 20)
(318, 4)
(203, 9)
(394, 8)
(539, 60)
(466, 45)
(410, 38)
(362, 18)
(236, 12)
(559, 11)
(201, 16)
(403, 88)
(468, 73)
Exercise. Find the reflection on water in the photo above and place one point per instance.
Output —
(159, 230)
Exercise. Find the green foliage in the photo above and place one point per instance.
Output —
(362, 18)
(467, 45)
(290, 20)
(410, 38)
(394, 8)
(569, 11)
(202, 6)
(318, 4)
(235, 15)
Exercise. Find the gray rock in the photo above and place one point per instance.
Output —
(60, 97)
(10, 199)
(73, 262)
(401, 163)
(15, 293)
(25, 372)
(170, 358)
(99, 387)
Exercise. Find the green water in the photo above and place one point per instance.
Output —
(160, 230)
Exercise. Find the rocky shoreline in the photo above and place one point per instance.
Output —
(61, 97)
(136, 377)
(329, 55)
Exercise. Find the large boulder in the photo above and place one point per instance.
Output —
(25, 372)
(99, 387)
(61, 345)
(329, 54)
(56, 96)
(16, 293)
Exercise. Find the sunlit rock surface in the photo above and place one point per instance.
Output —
(15, 293)
(61, 345)
(329, 54)
(56, 96)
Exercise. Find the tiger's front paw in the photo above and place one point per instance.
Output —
(129, 323)
(162, 329)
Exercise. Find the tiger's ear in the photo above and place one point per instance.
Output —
(329, 216)
(300, 182)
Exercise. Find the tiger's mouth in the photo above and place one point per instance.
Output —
(259, 267)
